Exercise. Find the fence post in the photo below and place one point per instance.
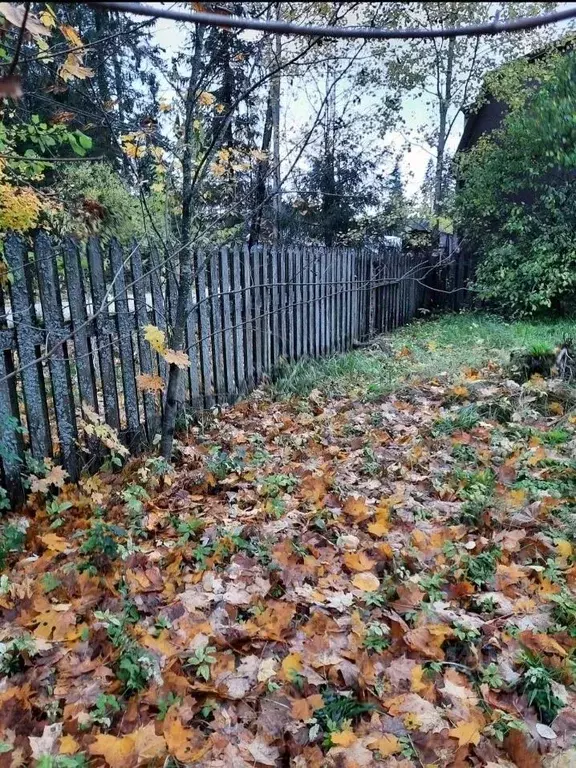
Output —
(22, 301)
(58, 362)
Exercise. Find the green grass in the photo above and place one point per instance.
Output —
(443, 345)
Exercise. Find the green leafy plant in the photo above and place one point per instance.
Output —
(274, 485)
(165, 702)
(105, 707)
(491, 676)
(12, 540)
(480, 569)
(502, 724)
(55, 510)
(376, 637)
(537, 685)
(15, 654)
(201, 660)
(336, 714)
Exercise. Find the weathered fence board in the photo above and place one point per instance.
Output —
(71, 329)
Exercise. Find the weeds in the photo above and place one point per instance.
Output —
(537, 684)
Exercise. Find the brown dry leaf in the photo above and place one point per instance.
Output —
(358, 561)
(56, 476)
(147, 744)
(367, 582)
(73, 68)
(263, 754)
(179, 359)
(185, 744)
(149, 382)
(71, 35)
(118, 751)
(15, 15)
(357, 508)
(428, 640)
(54, 542)
(466, 733)
(55, 624)
(540, 643)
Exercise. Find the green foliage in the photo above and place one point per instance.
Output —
(201, 660)
(463, 421)
(517, 196)
(376, 637)
(101, 541)
(12, 538)
(15, 653)
(62, 761)
(105, 707)
(96, 198)
(537, 685)
(480, 569)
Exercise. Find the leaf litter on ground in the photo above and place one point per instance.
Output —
(318, 582)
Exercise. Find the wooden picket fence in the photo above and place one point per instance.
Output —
(72, 314)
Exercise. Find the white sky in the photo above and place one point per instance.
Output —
(297, 110)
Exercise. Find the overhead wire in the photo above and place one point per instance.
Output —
(359, 33)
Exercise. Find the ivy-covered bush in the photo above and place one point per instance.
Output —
(517, 200)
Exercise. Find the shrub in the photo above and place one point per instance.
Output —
(517, 196)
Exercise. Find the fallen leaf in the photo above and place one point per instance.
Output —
(466, 733)
(118, 751)
(358, 561)
(343, 738)
(367, 582)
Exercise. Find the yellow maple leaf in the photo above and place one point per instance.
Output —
(155, 337)
(466, 733)
(48, 18)
(292, 665)
(180, 359)
(343, 738)
(416, 684)
(387, 745)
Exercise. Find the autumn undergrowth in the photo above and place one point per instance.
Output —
(424, 349)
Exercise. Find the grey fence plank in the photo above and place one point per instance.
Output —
(100, 302)
(238, 304)
(79, 319)
(317, 277)
(228, 329)
(193, 348)
(274, 307)
(140, 288)
(34, 396)
(255, 266)
(266, 318)
(213, 276)
(282, 301)
(202, 266)
(297, 279)
(124, 325)
(248, 299)
(56, 333)
(12, 449)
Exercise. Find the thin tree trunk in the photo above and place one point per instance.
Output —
(442, 131)
(186, 275)
(275, 97)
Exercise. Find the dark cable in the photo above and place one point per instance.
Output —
(365, 33)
